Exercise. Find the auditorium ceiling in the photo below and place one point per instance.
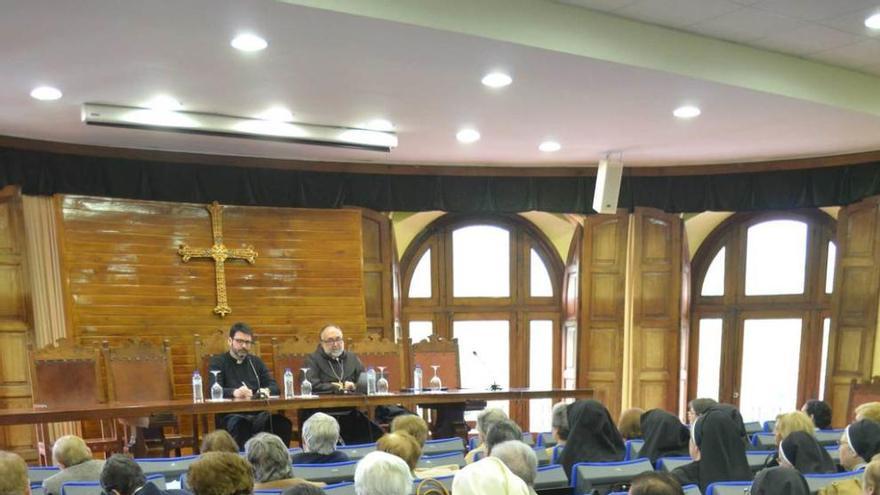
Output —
(774, 79)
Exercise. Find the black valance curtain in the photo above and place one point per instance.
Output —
(46, 173)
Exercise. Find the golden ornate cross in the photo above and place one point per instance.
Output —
(220, 253)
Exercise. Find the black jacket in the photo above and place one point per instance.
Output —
(325, 370)
(251, 371)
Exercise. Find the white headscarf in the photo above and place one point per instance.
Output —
(488, 476)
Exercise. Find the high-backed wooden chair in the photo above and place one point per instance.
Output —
(139, 371)
(374, 351)
(291, 353)
(441, 352)
(214, 343)
(68, 374)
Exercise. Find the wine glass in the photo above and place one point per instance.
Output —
(216, 389)
(382, 382)
(306, 384)
(435, 384)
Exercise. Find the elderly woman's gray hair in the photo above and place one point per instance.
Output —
(269, 456)
(559, 420)
(381, 473)
(320, 434)
(489, 418)
(519, 458)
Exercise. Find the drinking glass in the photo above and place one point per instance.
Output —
(306, 384)
(435, 384)
(216, 389)
(382, 382)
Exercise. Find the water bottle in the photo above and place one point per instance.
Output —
(371, 381)
(288, 384)
(417, 379)
(198, 392)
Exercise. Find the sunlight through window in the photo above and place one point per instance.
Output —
(776, 258)
(481, 262)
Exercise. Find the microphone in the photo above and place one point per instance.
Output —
(259, 394)
(494, 386)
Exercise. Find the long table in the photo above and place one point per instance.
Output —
(41, 414)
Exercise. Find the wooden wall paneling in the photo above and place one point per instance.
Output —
(378, 273)
(16, 324)
(854, 303)
(603, 281)
(655, 278)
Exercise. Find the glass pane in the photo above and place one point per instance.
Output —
(713, 283)
(540, 283)
(776, 257)
(540, 372)
(420, 285)
(709, 362)
(770, 363)
(420, 330)
(829, 268)
(491, 341)
(569, 373)
(481, 262)
(826, 331)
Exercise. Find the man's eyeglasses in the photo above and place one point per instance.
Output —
(243, 341)
(337, 340)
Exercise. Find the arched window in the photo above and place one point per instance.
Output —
(494, 284)
(762, 299)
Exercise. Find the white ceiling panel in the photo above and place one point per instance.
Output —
(746, 25)
(676, 13)
(809, 38)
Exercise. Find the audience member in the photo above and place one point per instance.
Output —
(629, 423)
(13, 475)
(871, 478)
(859, 443)
(320, 434)
(654, 483)
(664, 435)
(717, 449)
(381, 473)
(801, 451)
(402, 445)
(412, 424)
(503, 431)
(123, 476)
(698, 406)
(73, 456)
(221, 473)
(488, 476)
(520, 459)
(559, 423)
(304, 489)
(868, 410)
(780, 481)
(818, 411)
(219, 441)
(485, 421)
(592, 435)
(271, 462)
(788, 423)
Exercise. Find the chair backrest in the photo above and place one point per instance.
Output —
(343, 488)
(38, 474)
(295, 450)
(170, 467)
(94, 487)
(729, 488)
(139, 371)
(587, 476)
(818, 481)
(757, 458)
(834, 452)
(543, 455)
(691, 490)
(828, 437)
(446, 481)
(769, 426)
(764, 439)
(667, 464)
(291, 353)
(753, 427)
(66, 374)
(443, 446)
(375, 350)
(546, 439)
(557, 450)
(528, 438)
(633, 447)
(358, 451)
(442, 352)
(552, 476)
(333, 472)
(429, 461)
(37, 489)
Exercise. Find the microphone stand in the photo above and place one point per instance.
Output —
(494, 387)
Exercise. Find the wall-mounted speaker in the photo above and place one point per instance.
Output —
(607, 185)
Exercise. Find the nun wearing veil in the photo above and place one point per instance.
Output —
(664, 435)
(592, 436)
(780, 481)
(801, 451)
(718, 451)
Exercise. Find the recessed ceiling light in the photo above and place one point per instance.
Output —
(164, 103)
(380, 125)
(46, 93)
(496, 80)
(467, 135)
(549, 146)
(248, 43)
(276, 114)
(686, 112)
(873, 22)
